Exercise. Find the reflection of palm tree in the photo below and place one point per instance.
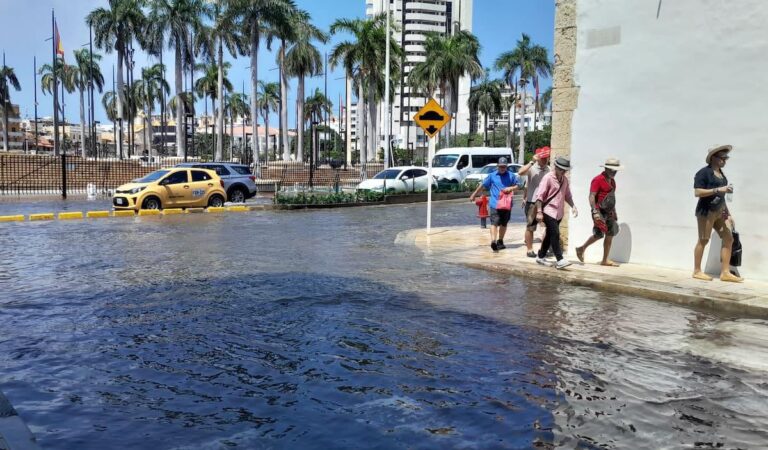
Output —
(181, 20)
(85, 65)
(302, 60)
(486, 99)
(149, 89)
(528, 61)
(8, 80)
(448, 59)
(113, 29)
(258, 16)
(268, 101)
(316, 106)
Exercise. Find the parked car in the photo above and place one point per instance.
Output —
(239, 182)
(398, 179)
(480, 176)
(452, 165)
(178, 187)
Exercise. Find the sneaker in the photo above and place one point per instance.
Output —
(563, 263)
(500, 244)
(531, 254)
(543, 262)
(494, 246)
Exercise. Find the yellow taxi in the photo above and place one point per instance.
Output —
(180, 187)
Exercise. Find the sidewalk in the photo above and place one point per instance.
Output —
(469, 245)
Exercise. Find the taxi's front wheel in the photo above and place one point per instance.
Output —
(151, 203)
(216, 201)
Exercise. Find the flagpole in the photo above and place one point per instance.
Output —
(92, 117)
(34, 62)
(387, 144)
(56, 149)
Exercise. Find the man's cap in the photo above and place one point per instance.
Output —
(543, 152)
(503, 161)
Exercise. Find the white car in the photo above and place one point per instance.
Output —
(398, 179)
(480, 176)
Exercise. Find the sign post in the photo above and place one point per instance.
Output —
(431, 118)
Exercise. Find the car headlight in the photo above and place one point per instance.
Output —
(137, 190)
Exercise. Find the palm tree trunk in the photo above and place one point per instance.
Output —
(5, 123)
(300, 122)
(148, 128)
(255, 40)
(120, 100)
(207, 124)
(82, 124)
(266, 134)
(372, 135)
(220, 117)
(231, 134)
(284, 104)
(361, 128)
(181, 131)
(521, 153)
(485, 130)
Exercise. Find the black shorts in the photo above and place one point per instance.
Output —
(610, 222)
(530, 219)
(500, 218)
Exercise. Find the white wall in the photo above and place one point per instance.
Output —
(657, 93)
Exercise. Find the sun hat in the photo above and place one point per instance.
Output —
(503, 162)
(563, 163)
(612, 164)
(719, 148)
(543, 152)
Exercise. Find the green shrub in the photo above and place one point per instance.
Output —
(318, 198)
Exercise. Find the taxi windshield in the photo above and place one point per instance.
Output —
(154, 176)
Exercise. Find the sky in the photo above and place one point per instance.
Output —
(25, 26)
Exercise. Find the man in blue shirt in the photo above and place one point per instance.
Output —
(496, 182)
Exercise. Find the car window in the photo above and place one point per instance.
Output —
(419, 173)
(483, 160)
(154, 176)
(463, 161)
(199, 175)
(389, 174)
(444, 160)
(488, 169)
(407, 175)
(176, 177)
(242, 170)
(220, 170)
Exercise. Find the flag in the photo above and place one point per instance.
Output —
(59, 46)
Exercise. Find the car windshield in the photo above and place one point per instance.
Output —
(154, 176)
(390, 174)
(488, 169)
(444, 160)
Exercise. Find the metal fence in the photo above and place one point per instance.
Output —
(34, 174)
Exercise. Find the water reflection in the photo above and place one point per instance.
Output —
(313, 330)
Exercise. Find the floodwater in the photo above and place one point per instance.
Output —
(312, 329)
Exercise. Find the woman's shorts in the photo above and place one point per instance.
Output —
(713, 221)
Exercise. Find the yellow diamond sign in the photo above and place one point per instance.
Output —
(432, 118)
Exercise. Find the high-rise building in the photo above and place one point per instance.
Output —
(414, 19)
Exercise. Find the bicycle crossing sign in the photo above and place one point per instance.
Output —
(432, 118)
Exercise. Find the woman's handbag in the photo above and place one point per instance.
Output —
(736, 250)
(504, 202)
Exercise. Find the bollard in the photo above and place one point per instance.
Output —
(70, 215)
(97, 214)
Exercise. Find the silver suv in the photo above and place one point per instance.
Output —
(239, 182)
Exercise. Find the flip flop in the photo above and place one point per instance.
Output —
(580, 253)
(609, 264)
(702, 276)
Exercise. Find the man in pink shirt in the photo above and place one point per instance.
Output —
(554, 192)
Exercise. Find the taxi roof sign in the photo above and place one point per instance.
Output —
(432, 118)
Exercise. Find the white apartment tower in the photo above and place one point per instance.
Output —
(415, 18)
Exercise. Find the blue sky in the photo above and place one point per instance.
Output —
(25, 24)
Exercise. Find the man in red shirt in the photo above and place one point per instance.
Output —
(602, 200)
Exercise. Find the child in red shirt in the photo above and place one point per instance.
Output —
(482, 210)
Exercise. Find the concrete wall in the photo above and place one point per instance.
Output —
(656, 92)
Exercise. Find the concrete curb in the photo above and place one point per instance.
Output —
(466, 246)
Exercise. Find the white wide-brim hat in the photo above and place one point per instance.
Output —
(612, 164)
(717, 149)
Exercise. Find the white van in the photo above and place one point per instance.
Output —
(454, 164)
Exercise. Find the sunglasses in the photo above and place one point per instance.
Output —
(723, 158)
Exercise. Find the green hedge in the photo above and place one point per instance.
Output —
(316, 198)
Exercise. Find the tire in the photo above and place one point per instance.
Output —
(151, 202)
(216, 201)
(237, 195)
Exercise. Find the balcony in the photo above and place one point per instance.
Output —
(420, 6)
(424, 17)
(424, 27)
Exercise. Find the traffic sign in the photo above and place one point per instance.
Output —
(432, 118)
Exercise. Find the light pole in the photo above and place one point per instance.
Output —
(387, 145)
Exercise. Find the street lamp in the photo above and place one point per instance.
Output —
(314, 123)
(187, 116)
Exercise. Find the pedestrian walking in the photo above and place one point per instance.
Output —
(482, 210)
(602, 201)
(553, 193)
(535, 170)
(501, 184)
(710, 187)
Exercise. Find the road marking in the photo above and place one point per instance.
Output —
(173, 211)
(97, 214)
(149, 212)
(16, 218)
(216, 209)
(123, 213)
(41, 216)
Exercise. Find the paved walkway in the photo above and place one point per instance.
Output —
(469, 245)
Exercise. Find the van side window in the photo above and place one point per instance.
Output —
(483, 160)
(463, 161)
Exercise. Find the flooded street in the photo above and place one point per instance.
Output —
(313, 329)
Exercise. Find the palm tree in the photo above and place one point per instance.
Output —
(526, 60)
(448, 59)
(8, 79)
(225, 32)
(545, 101)
(151, 88)
(64, 75)
(486, 99)
(257, 17)
(302, 60)
(85, 65)
(207, 86)
(114, 28)
(363, 59)
(316, 106)
(237, 105)
(180, 20)
(268, 101)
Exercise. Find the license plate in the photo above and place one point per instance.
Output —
(119, 201)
